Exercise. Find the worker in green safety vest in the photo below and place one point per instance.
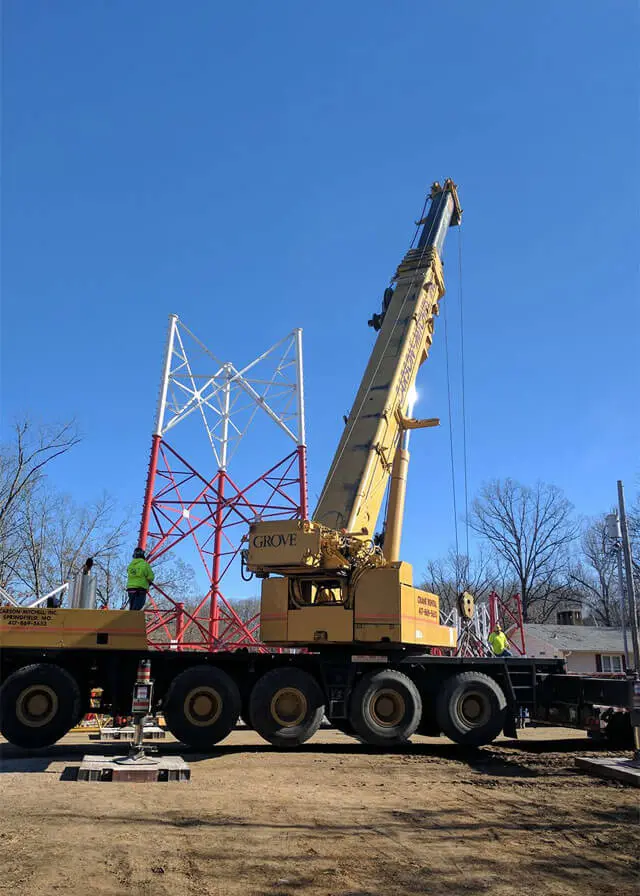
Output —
(139, 578)
(498, 641)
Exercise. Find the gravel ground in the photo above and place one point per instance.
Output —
(333, 818)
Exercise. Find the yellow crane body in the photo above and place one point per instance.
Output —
(39, 627)
(325, 580)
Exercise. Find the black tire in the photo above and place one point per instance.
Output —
(286, 707)
(202, 706)
(385, 708)
(471, 709)
(619, 732)
(38, 705)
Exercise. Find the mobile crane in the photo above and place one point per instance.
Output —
(369, 651)
(333, 584)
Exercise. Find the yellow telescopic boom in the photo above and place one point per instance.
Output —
(354, 489)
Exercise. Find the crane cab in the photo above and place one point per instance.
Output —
(319, 588)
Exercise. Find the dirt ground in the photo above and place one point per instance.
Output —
(332, 819)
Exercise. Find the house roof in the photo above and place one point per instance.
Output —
(585, 638)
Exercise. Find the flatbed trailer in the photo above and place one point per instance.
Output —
(370, 694)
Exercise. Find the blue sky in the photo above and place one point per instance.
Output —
(257, 167)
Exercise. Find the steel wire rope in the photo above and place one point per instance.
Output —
(453, 470)
(464, 403)
(427, 246)
(419, 221)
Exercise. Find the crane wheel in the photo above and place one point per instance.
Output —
(619, 732)
(286, 707)
(385, 708)
(38, 705)
(202, 706)
(471, 709)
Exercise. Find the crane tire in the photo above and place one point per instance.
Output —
(286, 707)
(39, 704)
(386, 708)
(471, 709)
(619, 732)
(202, 706)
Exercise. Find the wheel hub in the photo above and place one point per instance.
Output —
(387, 707)
(37, 705)
(474, 709)
(289, 707)
(202, 706)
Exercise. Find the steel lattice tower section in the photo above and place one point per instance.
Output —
(213, 513)
(508, 612)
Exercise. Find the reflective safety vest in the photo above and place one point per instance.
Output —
(498, 642)
(139, 574)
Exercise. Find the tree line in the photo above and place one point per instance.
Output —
(45, 535)
(530, 541)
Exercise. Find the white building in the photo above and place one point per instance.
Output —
(586, 648)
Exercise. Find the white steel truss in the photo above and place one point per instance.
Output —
(227, 398)
(471, 632)
(5, 596)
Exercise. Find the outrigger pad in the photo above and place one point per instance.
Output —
(122, 769)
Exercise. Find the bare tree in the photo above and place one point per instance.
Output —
(633, 523)
(594, 574)
(111, 572)
(246, 607)
(448, 577)
(56, 535)
(531, 529)
(177, 578)
(23, 462)
(45, 536)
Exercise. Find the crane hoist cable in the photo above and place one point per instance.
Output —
(451, 454)
(464, 404)
(464, 414)
(421, 218)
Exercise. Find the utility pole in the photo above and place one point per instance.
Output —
(614, 537)
(631, 591)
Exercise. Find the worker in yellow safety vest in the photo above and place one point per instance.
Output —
(498, 641)
(139, 578)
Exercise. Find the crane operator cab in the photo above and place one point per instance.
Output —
(325, 580)
(329, 587)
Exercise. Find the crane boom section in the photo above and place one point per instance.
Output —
(354, 489)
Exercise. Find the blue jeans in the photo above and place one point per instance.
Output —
(137, 598)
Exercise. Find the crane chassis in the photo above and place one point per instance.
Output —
(353, 640)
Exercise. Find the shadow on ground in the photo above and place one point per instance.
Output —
(392, 857)
(498, 760)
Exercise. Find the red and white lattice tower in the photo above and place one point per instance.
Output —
(198, 504)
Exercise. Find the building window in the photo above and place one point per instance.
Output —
(610, 663)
